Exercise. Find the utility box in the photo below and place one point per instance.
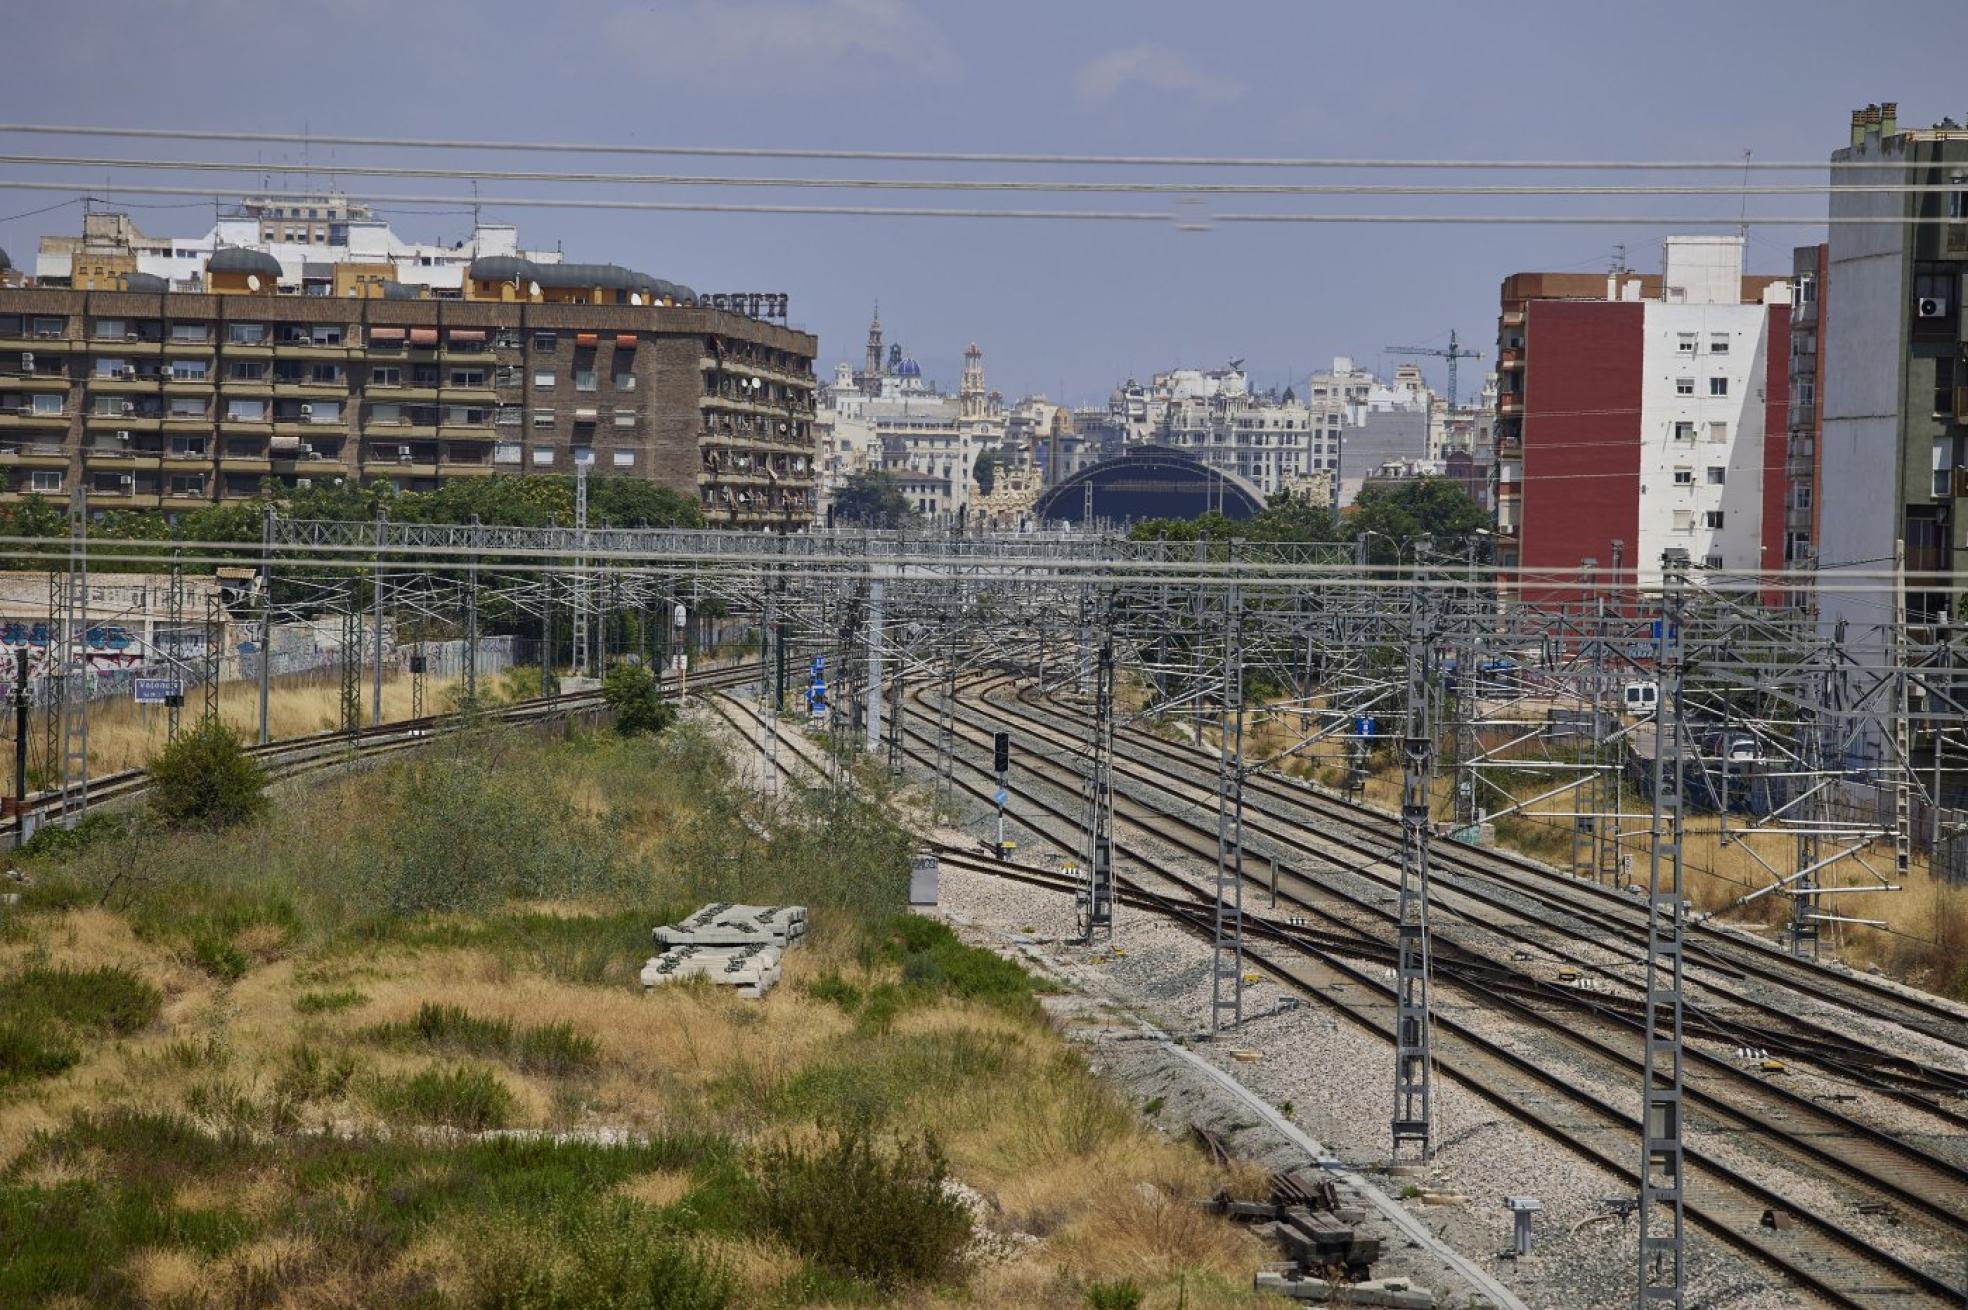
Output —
(922, 879)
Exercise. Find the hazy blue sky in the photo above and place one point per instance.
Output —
(1068, 309)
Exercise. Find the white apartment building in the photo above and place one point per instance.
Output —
(308, 234)
(1270, 440)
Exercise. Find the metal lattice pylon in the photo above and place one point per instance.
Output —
(1413, 1122)
(75, 666)
(579, 579)
(1227, 957)
(1097, 900)
(1662, 1278)
(351, 661)
(174, 612)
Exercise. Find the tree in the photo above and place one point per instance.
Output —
(630, 690)
(205, 779)
(872, 500)
(1433, 507)
(985, 471)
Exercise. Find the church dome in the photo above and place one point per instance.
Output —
(908, 368)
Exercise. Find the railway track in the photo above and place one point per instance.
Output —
(1343, 971)
(294, 757)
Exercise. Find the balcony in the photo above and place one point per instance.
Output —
(101, 498)
(311, 350)
(248, 350)
(1510, 358)
(118, 457)
(260, 386)
(124, 381)
(134, 347)
(124, 422)
(474, 432)
(293, 425)
(310, 389)
(189, 349)
(1510, 406)
(481, 395)
(37, 455)
(187, 423)
(39, 345)
(242, 463)
(40, 381)
(177, 386)
(27, 417)
(1511, 318)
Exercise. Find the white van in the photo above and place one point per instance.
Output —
(1640, 698)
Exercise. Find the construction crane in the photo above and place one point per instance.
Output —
(1452, 354)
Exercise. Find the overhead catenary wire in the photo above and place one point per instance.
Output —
(1084, 215)
(312, 139)
(1059, 185)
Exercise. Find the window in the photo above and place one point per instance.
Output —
(245, 370)
(1943, 458)
(511, 375)
(188, 447)
(385, 376)
(423, 375)
(246, 334)
(1684, 386)
(325, 375)
(109, 329)
(190, 370)
(1712, 518)
(1684, 431)
(1684, 520)
(104, 405)
(625, 418)
(44, 480)
(1944, 385)
(1712, 562)
(507, 339)
(506, 452)
(1800, 497)
(624, 459)
(48, 327)
(325, 334)
(468, 377)
(1957, 198)
(623, 380)
(1684, 343)
(187, 484)
(1684, 477)
(543, 418)
(584, 379)
(187, 407)
(1717, 475)
(1718, 386)
(544, 341)
(1718, 343)
(385, 414)
(543, 456)
(543, 377)
(246, 411)
(1718, 434)
(51, 404)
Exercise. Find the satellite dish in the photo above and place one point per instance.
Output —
(635, 297)
(252, 281)
(532, 288)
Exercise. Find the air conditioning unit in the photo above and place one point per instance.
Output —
(27, 361)
(129, 408)
(404, 457)
(302, 484)
(307, 411)
(126, 479)
(1931, 307)
(123, 435)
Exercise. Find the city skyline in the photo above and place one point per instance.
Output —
(1064, 309)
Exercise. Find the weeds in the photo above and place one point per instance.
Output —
(855, 1208)
(1118, 1295)
(555, 1049)
(472, 1100)
(616, 1257)
(328, 1002)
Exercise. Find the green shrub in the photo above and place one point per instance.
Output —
(1120, 1295)
(32, 1050)
(310, 1074)
(105, 1000)
(328, 1002)
(54, 841)
(220, 958)
(469, 1099)
(932, 957)
(631, 691)
(853, 1207)
(615, 1257)
(206, 779)
(555, 1049)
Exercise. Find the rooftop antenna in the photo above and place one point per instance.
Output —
(1619, 260)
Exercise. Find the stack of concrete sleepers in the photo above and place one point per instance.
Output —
(732, 945)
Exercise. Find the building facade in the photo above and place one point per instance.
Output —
(1268, 439)
(1892, 471)
(154, 397)
(1638, 414)
(1803, 460)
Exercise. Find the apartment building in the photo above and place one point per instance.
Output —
(1638, 413)
(1804, 454)
(159, 398)
(1269, 439)
(1892, 469)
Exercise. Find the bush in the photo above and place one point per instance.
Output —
(853, 1208)
(1121, 1295)
(616, 1257)
(555, 1049)
(205, 779)
(54, 840)
(469, 1099)
(328, 1002)
(631, 691)
(32, 1050)
(105, 1000)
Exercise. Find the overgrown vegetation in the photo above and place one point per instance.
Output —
(406, 1060)
(206, 779)
(632, 694)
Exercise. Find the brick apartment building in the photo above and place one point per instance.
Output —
(1642, 412)
(170, 393)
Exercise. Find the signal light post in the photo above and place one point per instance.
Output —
(1001, 765)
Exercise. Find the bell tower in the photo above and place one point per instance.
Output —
(873, 367)
(970, 391)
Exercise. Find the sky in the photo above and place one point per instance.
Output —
(1069, 309)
